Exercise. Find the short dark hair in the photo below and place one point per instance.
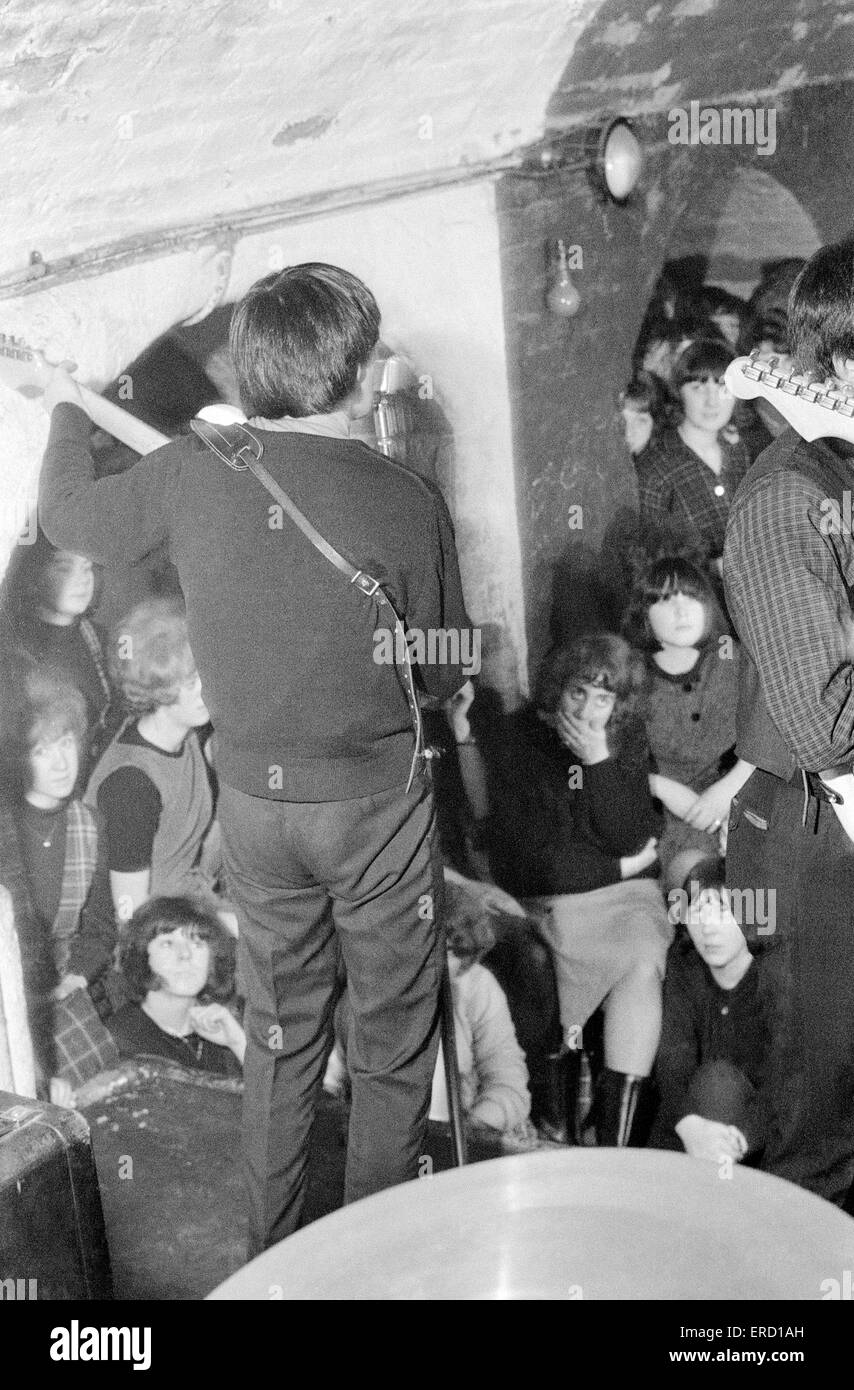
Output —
(670, 574)
(821, 309)
(43, 706)
(596, 658)
(298, 338)
(707, 357)
(710, 875)
(704, 358)
(158, 917)
(707, 874)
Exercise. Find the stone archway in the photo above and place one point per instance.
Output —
(739, 223)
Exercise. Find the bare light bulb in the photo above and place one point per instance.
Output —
(563, 298)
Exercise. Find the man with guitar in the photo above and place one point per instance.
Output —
(789, 578)
(326, 812)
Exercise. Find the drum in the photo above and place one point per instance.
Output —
(570, 1224)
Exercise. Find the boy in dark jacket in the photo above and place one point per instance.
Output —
(719, 1002)
(327, 822)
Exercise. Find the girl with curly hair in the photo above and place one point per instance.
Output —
(572, 833)
(177, 962)
(152, 785)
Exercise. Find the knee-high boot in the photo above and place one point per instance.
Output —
(548, 1097)
(572, 1069)
(619, 1110)
(555, 1099)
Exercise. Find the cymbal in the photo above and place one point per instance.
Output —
(571, 1224)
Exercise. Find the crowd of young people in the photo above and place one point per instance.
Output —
(604, 989)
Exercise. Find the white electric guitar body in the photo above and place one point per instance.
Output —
(817, 409)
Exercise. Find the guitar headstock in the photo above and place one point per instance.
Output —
(22, 368)
(816, 408)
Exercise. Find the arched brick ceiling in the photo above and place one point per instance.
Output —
(120, 118)
(638, 56)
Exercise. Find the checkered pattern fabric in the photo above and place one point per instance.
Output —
(81, 853)
(83, 1045)
(675, 485)
(788, 578)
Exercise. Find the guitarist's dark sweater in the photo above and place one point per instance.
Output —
(283, 644)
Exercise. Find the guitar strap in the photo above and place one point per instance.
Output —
(242, 454)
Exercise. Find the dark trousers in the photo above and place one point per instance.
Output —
(810, 868)
(310, 880)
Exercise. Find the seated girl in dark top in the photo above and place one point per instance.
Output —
(46, 596)
(690, 709)
(152, 785)
(177, 962)
(719, 1004)
(51, 853)
(571, 832)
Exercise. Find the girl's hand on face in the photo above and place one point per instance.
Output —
(214, 1023)
(586, 738)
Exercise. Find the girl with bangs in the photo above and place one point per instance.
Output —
(572, 833)
(177, 964)
(690, 469)
(693, 669)
(152, 786)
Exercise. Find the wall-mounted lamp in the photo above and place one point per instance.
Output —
(616, 162)
(609, 152)
(563, 298)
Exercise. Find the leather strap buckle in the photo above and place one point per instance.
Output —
(225, 449)
(365, 583)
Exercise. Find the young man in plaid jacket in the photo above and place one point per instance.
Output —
(788, 573)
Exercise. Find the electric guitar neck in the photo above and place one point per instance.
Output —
(815, 408)
(26, 371)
